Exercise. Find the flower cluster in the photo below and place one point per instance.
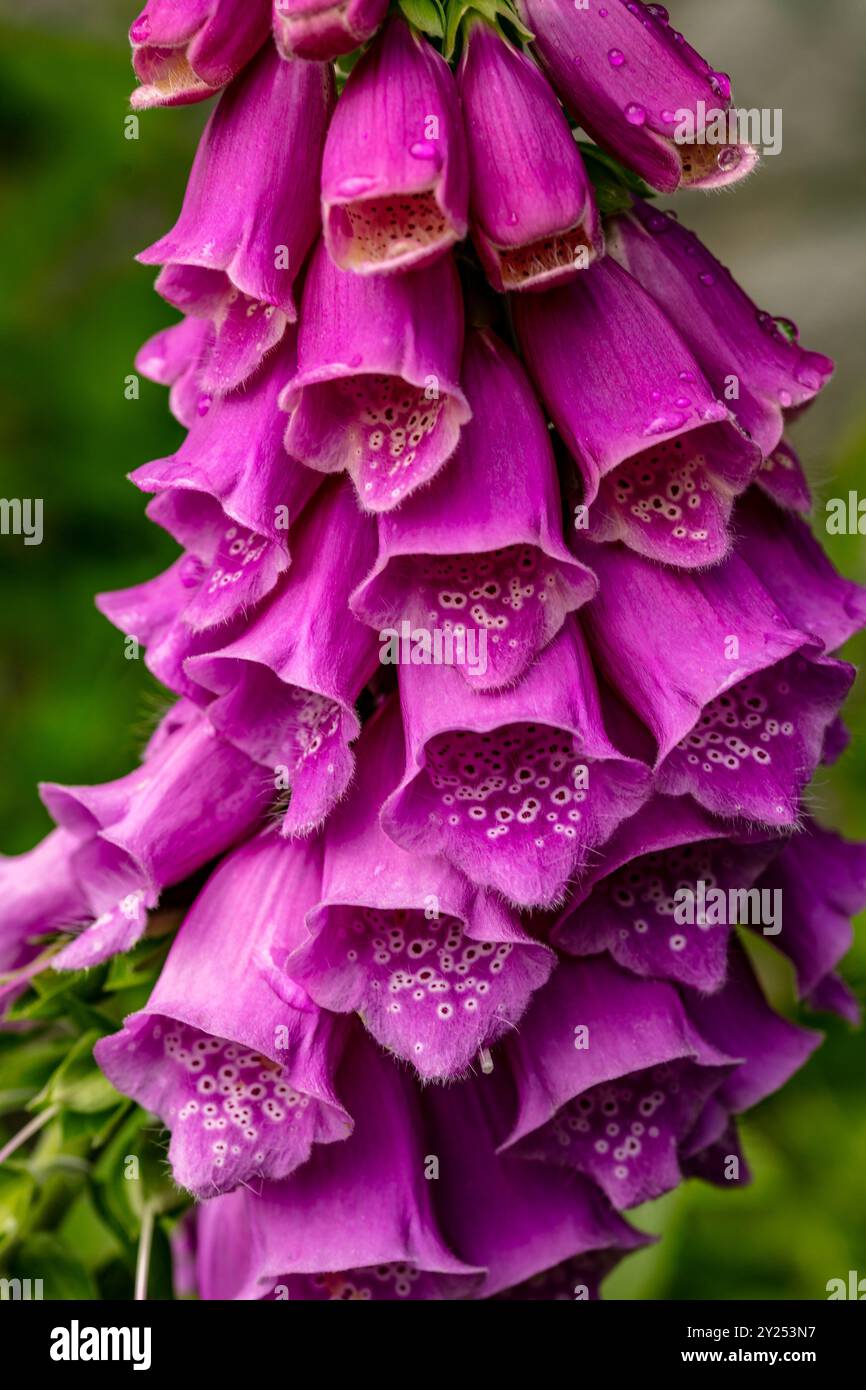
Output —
(433, 383)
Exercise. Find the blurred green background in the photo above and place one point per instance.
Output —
(79, 199)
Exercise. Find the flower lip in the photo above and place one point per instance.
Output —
(516, 787)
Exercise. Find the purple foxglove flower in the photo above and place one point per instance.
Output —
(187, 802)
(230, 495)
(661, 457)
(377, 391)
(454, 559)
(782, 477)
(822, 879)
(250, 213)
(237, 1064)
(712, 1162)
(611, 1076)
(769, 1048)
(173, 358)
(750, 358)
(394, 174)
(737, 700)
(39, 893)
(578, 1277)
(639, 90)
(322, 29)
(437, 968)
(518, 788)
(519, 1220)
(781, 550)
(287, 684)
(533, 216)
(155, 613)
(303, 1239)
(185, 50)
(626, 903)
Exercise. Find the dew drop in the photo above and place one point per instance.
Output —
(616, 57)
(729, 157)
(424, 149)
(355, 186)
(635, 114)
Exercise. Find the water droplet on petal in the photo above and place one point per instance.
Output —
(203, 404)
(721, 84)
(512, 219)
(658, 12)
(682, 402)
(635, 114)
(616, 57)
(356, 360)
(424, 149)
(354, 187)
(729, 157)
(707, 279)
(687, 376)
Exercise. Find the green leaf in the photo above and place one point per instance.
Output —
(17, 1190)
(25, 1066)
(83, 1231)
(612, 182)
(491, 10)
(43, 1256)
(78, 1084)
(426, 15)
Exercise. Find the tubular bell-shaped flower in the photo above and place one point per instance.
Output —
(173, 357)
(737, 699)
(781, 550)
(394, 178)
(236, 1062)
(614, 1094)
(822, 880)
(783, 477)
(639, 89)
(39, 893)
(517, 788)
(518, 1219)
(250, 213)
(285, 687)
(303, 1240)
(533, 215)
(185, 50)
(320, 29)
(231, 494)
(190, 800)
(377, 390)
(749, 357)
(480, 550)
(769, 1049)
(661, 456)
(626, 905)
(437, 968)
